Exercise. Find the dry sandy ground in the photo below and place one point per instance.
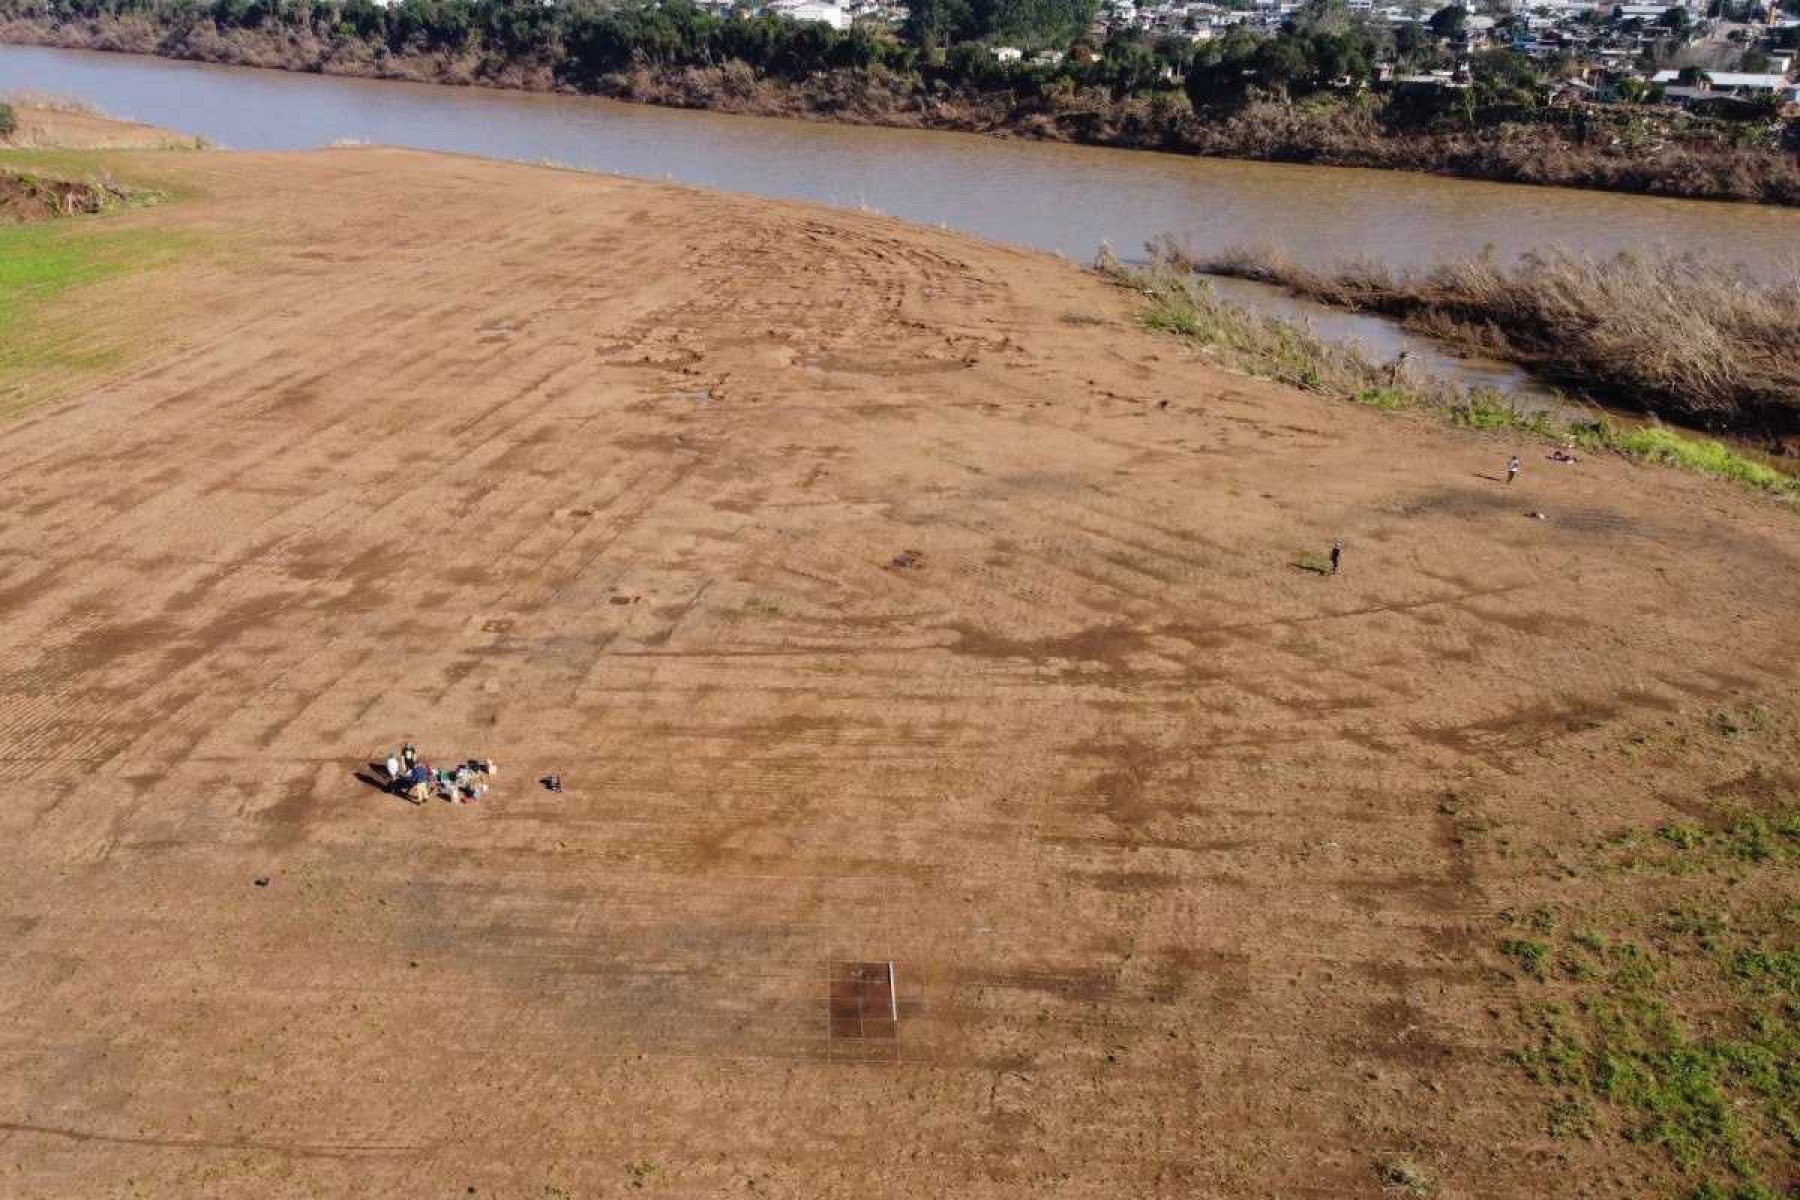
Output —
(41, 124)
(610, 478)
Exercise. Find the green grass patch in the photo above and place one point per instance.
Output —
(40, 266)
(1687, 1041)
(1533, 956)
(1386, 399)
(1484, 408)
(1667, 447)
(1739, 838)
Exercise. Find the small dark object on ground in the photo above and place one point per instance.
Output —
(552, 783)
(262, 881)
(908, 559)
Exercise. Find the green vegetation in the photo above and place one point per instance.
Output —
(39, 265)
(1738, 838)
(1682, 1034)
(1484, 408)
(1660, 445)
(1386, 399)
(1183, 304)
(9, 121)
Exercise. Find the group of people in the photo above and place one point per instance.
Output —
(411, 777)
(1513, 466)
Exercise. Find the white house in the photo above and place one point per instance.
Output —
(827, 11)
(1007, 54)
(1732, 83)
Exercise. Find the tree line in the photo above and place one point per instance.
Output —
(943, 43)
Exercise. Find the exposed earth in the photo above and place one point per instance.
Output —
(42, 124)
(882, 596)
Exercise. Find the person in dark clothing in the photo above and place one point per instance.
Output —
(409, 755)
(1337, 556)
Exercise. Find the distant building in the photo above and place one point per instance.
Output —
(830, 13)
(1727, 83)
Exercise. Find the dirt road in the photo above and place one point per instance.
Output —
(883, 597)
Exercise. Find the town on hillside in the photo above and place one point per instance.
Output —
(1727, 59)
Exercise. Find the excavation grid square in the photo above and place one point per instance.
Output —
(862, 1002)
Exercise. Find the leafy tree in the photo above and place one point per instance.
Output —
(9, 121)
(1504, 77)
(1282, 63)
(1218, 73)
(1449, 23)
(1411, 46)
(1318, 49)
(934, 24)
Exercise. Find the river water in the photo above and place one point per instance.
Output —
(1065, 199)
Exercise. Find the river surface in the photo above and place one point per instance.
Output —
(1065, 199)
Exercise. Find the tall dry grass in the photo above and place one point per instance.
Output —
(49, 102)
(1180, 302)
(1670, 334)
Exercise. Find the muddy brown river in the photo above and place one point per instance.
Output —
(1066, 199)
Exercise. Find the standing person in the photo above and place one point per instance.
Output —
(1512, 468)
(393, 769)
(1337, 556)
(409, 755)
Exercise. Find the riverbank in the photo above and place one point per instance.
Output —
(968, 781)
(1676, 336)
(1630, 149)
(1185, 305)
(45, 122)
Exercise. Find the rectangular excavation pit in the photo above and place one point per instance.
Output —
(863, 1006)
